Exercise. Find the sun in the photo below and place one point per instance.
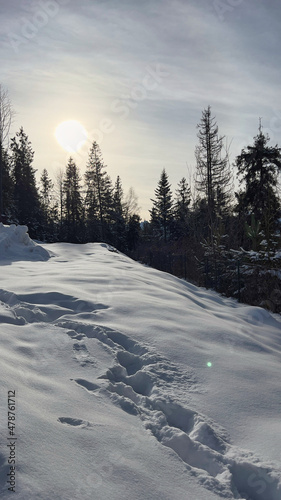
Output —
(71, 135)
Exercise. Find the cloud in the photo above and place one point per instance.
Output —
(86, 56)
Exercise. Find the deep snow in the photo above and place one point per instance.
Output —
(131, 383)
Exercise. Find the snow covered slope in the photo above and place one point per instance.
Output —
(132, 384)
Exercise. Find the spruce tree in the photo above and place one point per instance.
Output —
(162, 209)
(26, 207)
(133, 232)
(181, 209)
(118, 228)
(47, 187)
(50, 216)
(73, 206)
(258, 167)
(98, 199)
(118, 195)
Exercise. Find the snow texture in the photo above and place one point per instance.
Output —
(131, 383)
(15, 244)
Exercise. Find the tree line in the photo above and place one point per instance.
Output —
(70, 210)
(205, 232)
(213, 236)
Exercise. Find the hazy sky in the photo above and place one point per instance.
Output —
(137, 75)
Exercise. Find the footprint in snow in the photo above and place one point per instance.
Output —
(135, 384)
(74, 422)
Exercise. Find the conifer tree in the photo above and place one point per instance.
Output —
(73, 206)
(26, 207)
(118, 195)
(98, 195)
(162, 209)
(181, 209)
(118, 216)
(213, 174)
(47, 187)
(59, 199)
(49, 208)
(133, 231)
(258, 167)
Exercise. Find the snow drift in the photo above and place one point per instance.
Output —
(131, 383)
(15, 244)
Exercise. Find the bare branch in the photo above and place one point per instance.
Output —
(6, 115)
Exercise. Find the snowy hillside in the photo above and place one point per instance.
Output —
(128, 383)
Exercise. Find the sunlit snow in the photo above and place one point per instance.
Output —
(131, 383)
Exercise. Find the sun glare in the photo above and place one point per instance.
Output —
(71, 135)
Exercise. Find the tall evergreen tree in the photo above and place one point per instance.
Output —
(59, 199)
(73, 206)
(133, 231)
(181, 209)
(26, 209)
(118, 195)
(162, 209)
(98, 195)
(118, 216)
(47, 187)
(213, 173)
(49, 208)
(258, 167)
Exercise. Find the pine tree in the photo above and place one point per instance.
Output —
(181, 209)
(49, 208)
(73, 206)
(118, 195)
(213, 174)
(118, 228)
(258, 170)
(132, 219)
(47, 187)
(59, 197)
(133, 232)
(98, 196)
(26, 209)
(162, 209)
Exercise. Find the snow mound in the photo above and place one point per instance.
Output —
(15, 244)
